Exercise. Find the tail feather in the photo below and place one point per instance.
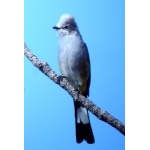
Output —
(83, 126)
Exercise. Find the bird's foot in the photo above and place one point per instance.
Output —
(76, 94)
(60, 78)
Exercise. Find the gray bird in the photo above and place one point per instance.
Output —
(74, 63)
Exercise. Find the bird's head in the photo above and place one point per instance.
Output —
(66, 25)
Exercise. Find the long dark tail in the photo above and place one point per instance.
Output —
(83, 126)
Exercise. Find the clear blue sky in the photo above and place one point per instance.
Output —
(49, 112)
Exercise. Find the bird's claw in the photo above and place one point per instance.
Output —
(60, 78)
(76, 96)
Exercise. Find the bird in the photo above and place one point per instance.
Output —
(74, 64)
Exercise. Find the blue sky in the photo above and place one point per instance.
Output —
(48, 109)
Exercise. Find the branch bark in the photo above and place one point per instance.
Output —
(97, 111)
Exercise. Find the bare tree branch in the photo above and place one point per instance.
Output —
(98, 112)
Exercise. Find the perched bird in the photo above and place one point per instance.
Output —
(74, 63)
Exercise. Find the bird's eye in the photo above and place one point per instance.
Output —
(66, 27)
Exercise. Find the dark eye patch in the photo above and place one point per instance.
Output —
(66, 27)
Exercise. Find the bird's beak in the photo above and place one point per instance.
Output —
(56, 28)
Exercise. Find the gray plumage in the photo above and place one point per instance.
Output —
(74, 63)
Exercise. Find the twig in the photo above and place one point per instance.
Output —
(97, 111)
